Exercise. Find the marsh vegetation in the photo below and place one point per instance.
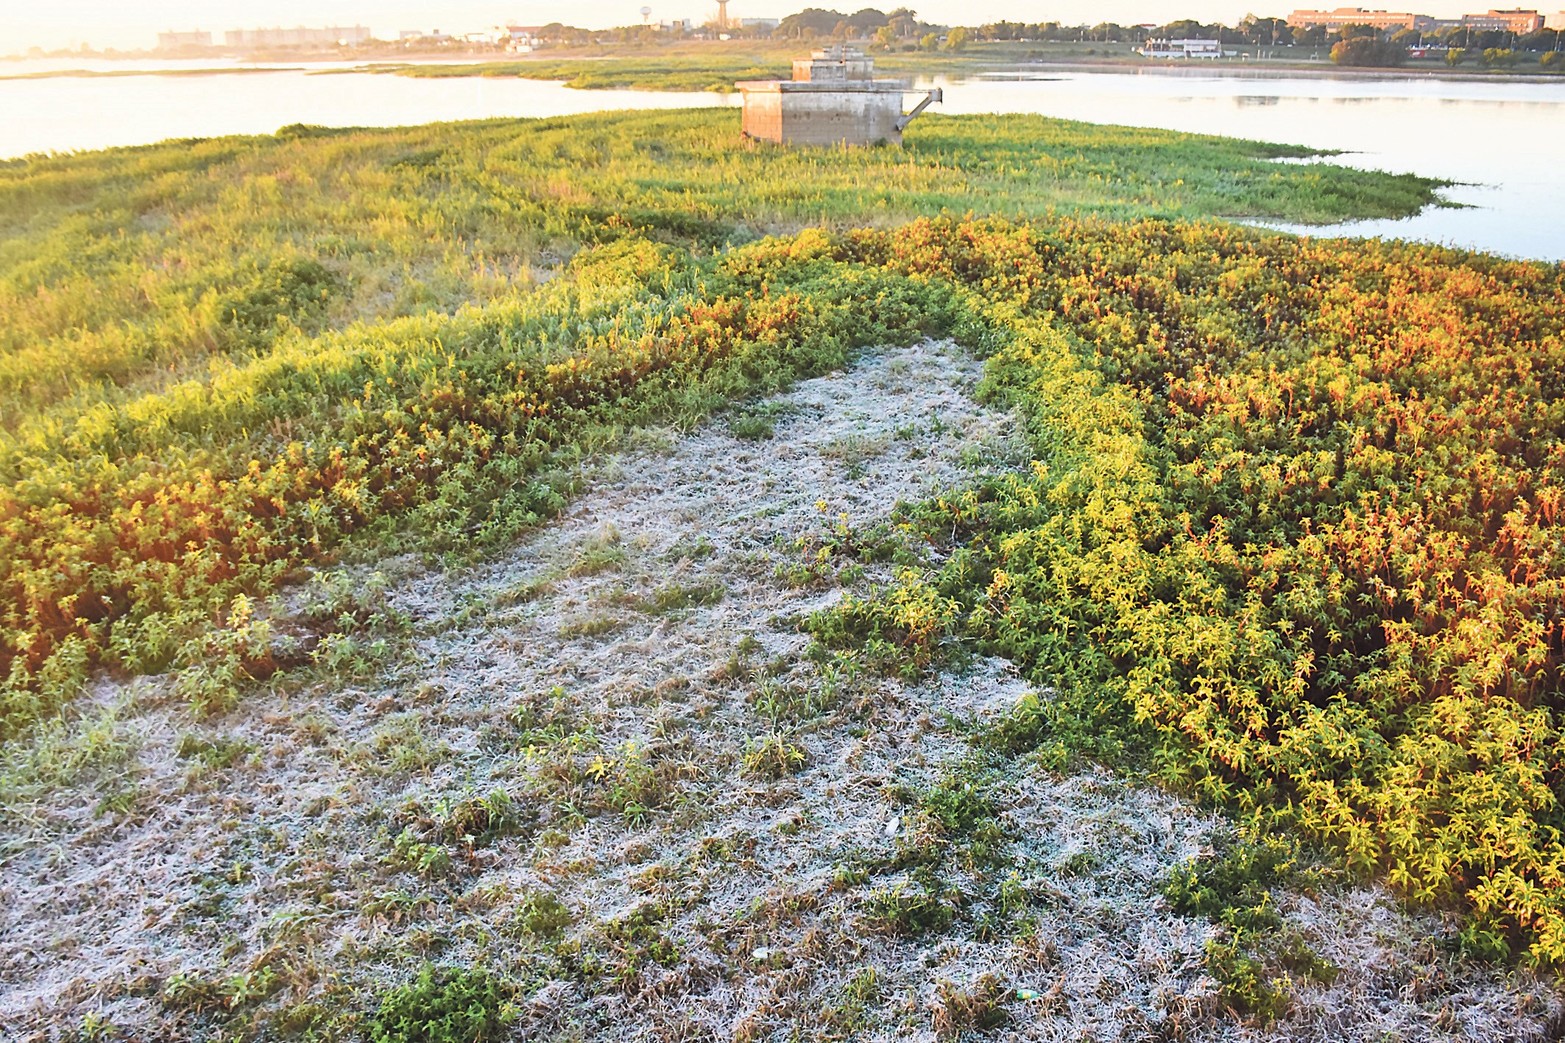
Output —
(365, 539)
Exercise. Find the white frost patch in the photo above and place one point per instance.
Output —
(617, 674)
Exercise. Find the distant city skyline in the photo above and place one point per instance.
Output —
(113, 24)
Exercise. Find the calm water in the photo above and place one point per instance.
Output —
(66, 113)
(1504, 141)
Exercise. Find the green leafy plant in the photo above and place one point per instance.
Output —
(910, 908)
(773, 756)
(443, 1005)
(410, 853)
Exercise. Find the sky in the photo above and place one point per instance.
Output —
(114, 23)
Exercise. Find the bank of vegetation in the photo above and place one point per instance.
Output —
(188, 347)
(1289, 539)
(1291, 533)
(635, 71)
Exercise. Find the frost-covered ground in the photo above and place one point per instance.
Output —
(602, 767)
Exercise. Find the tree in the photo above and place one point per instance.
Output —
(1452, 36)
(1265, 31)
(1542, 40)
(885, 37)
(956, 39)
(906, 23)
(1002, 31)
(1370, 51)
(1550, 59)
(866, 20)
(812, 21)
(1309, 36)
(1186, 29)
(1455, 56)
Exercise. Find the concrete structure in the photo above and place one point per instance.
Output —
(330, 36)
(172, 41)
(1518, 21)
(1344, 16)
(832, 99)
(1181, 49)
(835, 65)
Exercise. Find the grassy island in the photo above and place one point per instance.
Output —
(292, 431)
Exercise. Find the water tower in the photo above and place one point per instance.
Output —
(722, 15)
(646, 15)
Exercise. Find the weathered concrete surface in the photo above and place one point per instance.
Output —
(809, 113)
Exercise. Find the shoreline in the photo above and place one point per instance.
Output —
(975, 66)
(1324, 71)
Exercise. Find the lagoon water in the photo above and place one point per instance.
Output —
(1504, 140)
(65, 113)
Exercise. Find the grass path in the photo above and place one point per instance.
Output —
(605, 767)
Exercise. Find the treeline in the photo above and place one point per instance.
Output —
(809, 24)
(901, 29)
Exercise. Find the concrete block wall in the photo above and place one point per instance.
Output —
(763, 115)
(837, 117)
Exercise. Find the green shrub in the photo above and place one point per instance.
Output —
(910, 909)
(443, 1005)
(541, 913)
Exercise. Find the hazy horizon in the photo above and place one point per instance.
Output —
(102, 25)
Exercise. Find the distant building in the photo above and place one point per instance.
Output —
(330, 36)
(1344, 16)
(1518, 21)
(172, 41)
(1181, 49)
(518, 38)
(767, 24)
(1555, 22)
